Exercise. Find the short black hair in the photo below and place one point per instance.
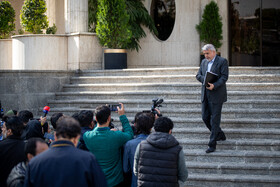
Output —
(102, 114)
(25, 115)
(34, 129)
(163, 124)
(75, 116)
(85, 118)
(31, 145)
(54, 118)
(144, 123)
(67, 127)
(15, 124)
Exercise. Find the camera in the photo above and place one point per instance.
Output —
(156, 104)
(113, 107)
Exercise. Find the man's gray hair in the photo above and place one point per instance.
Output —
(208, 47)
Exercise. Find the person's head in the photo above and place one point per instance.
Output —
(103, 115)
(34, 129)
(13, 126)
(45, 127)
(68, 129)
(75, 116)
(163, 124)
(85, 118)
(25, 116)
(11, 113)
(34, 146)
(54, 119)
(209, 51)
(143, 123)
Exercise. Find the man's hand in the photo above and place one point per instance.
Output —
(121, 110)
(43, 120)
(158, 114)
(211, 86)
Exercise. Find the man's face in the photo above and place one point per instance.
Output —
(209, 55)
(5, 133)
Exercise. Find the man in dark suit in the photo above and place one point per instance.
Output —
(63, 164)
(215, 95)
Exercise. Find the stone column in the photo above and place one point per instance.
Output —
(76, 16)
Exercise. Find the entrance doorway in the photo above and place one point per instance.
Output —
(254, 32)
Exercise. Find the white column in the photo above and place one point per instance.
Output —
(76, 16)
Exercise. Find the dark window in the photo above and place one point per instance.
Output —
(255, 32)
(163, 12)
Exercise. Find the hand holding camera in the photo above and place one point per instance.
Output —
(120, 109)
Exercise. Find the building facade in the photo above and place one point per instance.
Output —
(251, 34)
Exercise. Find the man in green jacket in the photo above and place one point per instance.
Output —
(106, 144)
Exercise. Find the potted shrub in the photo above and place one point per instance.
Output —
(114, 32)
(33, 16)
(210, 27)
(7, 19)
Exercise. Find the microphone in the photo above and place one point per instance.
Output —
(46, 109)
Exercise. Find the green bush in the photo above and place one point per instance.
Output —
(33, 17)
(7, 19)
(51, 30)
(210, 28)
(112, 26)
(138, 17)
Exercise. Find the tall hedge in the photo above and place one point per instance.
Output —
(112, 26)
(210, 28)
(33, 16)
(7, 19)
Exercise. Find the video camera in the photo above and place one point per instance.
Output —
(156, 104)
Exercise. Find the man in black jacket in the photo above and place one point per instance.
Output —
(63, 164)
(159, 160)
(11, 148)
(33, 147)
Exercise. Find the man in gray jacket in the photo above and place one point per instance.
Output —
(159, 160)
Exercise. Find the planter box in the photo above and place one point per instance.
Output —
(6, 54)
(40, 52)
(115, 59)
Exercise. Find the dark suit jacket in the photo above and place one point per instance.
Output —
(220, 67)
(11, 153)
(64, 165)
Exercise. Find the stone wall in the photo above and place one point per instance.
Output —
(30, 90)
(6, 54)
(183, 47)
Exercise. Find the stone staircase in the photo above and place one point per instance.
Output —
(250, 119)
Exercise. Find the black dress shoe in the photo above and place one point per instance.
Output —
(210, 149)
(223, 138)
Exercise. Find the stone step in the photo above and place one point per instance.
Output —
(222, 168)
(166, 86)
(235, 156)
(232, 144)
(170, 79)
(182, 122)
(178, 71)
(184, 95)
(192, 113)
(232, 180)
(92, 103)
(234, 133)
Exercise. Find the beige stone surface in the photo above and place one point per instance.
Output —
(39, 52)
(55, 13)
(183, 46)
(6, 54)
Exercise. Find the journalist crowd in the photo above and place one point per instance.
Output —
(86, 149)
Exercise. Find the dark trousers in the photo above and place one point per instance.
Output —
(211, 115)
